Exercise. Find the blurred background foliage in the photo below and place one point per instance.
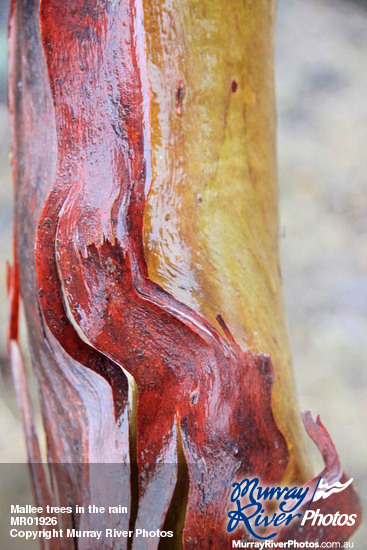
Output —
(321, 81)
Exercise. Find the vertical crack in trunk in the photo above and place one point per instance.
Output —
(134, 472)
(175, 519)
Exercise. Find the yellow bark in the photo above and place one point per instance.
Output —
(211, 224)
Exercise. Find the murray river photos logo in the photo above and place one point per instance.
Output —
(250, 501)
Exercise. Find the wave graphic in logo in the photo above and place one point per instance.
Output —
(324, 490)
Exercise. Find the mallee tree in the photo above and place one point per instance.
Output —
(146, 258)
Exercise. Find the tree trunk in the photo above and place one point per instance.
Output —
(146, 233)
